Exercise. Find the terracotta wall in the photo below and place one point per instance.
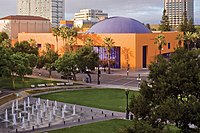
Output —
(152, 49)
(130, 44)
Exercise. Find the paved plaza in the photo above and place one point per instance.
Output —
(39, 115)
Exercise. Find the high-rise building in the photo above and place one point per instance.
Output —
(177, 9)
(54, 10)
(91, 15)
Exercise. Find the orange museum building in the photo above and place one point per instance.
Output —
(134, 43)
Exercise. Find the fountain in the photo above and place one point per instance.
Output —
(32, 112)
(55, 104)
(47, 103)
(23, 123)
(6, 116)
(20, 115)
(13, 107)
(28, 102)
(63, 113)
(54, 112)
(50, 117)
(17, 107)
(36, 105)
(38, 101)
(27, 114)
(37, 119)
(28, 118)
(74, 110)
(14, 120)
(64, 108)
(24, 107)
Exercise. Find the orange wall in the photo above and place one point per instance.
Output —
(131, 42)
(152, 49)
(121, 40)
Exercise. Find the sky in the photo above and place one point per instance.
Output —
(146, 11)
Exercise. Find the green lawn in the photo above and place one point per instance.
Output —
(111, 99)
(7, 82)
(111, 126)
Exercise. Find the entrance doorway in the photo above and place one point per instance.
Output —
(144, 57)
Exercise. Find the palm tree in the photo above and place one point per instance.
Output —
(195, 37)
(160, 41)
(89, 41)
(56, 33)
(63, 33)
(32, 42)
(108, 44)
(180, 38)
(188, 39)
(71, 37)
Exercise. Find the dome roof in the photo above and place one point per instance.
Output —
(119, 25)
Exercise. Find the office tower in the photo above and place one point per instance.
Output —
(49, 9)
(91, 15)
(175, 9)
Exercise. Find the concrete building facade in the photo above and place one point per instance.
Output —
(176, 9)
(54, 10)
(91, 15)
(15, 24)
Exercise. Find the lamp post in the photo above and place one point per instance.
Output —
(139, 80)
(127, 109)
(98, 78)
(99, 72)
(127, 71)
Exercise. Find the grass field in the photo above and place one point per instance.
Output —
(6, 83)
(111, 99)
(111, 126)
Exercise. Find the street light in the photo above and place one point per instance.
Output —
(127, 109)
(139, 80)
(98, 78)
(99, 72)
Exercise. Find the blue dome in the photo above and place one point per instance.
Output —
(119, 25)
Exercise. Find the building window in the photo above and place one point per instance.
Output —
(39, 45)
(169, 45)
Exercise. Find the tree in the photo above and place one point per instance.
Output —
(89, 42)
(127, 53)
(48, 59)
(164, 26)
(67, 64)
(160, 41)
(71, 37)
(56, 33)
(140, 127)
(3, 36)
(108, 44)
(19, 65)
(25, 47)
(187, 25)
(148, 26)
(171, 94)
(180, 38)
(63, 33)
(5, 53)
(6, 43)
(195, 37)
(188, 39)
(87, 58)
